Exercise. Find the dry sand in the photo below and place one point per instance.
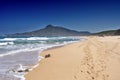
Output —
(97, 58)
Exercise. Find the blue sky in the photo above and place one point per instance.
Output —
(82, 15)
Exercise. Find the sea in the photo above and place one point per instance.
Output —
(20, 54)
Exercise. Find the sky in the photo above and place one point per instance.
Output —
(18, 16)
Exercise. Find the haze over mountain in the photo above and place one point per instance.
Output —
(51, 30)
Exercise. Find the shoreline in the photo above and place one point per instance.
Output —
(27, 56)
(51, 48)
(55, 47)
(79, 61)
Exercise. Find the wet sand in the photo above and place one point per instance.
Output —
(97, 58)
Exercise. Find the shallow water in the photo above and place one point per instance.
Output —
(23, 52)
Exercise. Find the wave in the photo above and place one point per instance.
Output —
(30, 38)
(8, 39)
(16, 45)
(36, 38)
(27, 49)
(18, 51)
(6, 43)
(34, 48)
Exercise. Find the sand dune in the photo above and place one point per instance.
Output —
(97, 58)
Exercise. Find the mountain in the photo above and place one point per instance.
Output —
(108, 33)
(51, 30)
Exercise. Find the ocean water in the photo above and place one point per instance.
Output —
(22, 53)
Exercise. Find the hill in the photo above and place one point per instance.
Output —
(51, 30)
(108, 33)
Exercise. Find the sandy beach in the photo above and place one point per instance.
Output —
(97, 58)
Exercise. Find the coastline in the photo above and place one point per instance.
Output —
(94, 59)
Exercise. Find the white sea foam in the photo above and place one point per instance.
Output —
(18, 51)
(36, 38)
(32, 47)
(8, 39)
(6, 43)
(3, 43)
(30, 38)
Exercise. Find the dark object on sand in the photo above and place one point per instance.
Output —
(48, 55)
(20, 71)
(26, 70)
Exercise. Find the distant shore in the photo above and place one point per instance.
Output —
(97, 58)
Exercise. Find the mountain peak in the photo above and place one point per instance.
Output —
(49, 26)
